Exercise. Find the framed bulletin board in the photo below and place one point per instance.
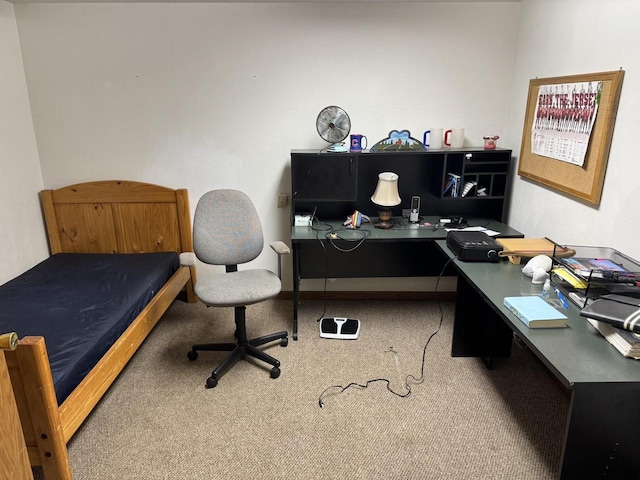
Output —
(548, 129)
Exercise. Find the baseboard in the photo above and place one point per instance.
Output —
(356, 295)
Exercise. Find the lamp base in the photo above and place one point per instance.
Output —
(385, 219)
(385, 225)
(385, 215)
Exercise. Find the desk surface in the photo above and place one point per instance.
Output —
(576, 354)
(403, 231)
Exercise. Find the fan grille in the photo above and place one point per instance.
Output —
(333, 124)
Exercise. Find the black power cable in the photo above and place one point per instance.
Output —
(409, 378)
(332, 235)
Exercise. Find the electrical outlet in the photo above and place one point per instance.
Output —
(283, 200)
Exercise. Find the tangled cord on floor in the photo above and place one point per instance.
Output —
(409, 379)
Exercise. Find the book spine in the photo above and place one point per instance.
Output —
(517, 314)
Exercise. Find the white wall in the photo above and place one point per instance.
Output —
(565, 38)
(209, 95)
(23, 241)
(216, 95)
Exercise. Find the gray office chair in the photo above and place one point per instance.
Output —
(227, 231)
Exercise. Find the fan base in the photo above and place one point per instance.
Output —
(337, 147)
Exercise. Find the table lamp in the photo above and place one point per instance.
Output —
(386, 195)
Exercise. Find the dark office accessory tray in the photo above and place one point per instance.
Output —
(593, 272)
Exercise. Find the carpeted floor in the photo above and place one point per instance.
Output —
(158, 421)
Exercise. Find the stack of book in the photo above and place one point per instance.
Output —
(600, 268)
(626, 342)
(617, 318)
(584, 279)
(453, 185)
(605, 284)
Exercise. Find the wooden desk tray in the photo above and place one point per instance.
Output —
(518, 248)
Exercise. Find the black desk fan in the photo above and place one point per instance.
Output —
(333, 125)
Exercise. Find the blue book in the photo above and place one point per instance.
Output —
(535, 312)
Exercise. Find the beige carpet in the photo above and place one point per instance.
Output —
(462, 422)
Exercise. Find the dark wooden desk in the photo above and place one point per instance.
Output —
(604, 415)
(403, 251)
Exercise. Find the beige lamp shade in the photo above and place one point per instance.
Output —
(386, 194)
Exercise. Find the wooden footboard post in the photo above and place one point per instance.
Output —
(14, 460)
(38, 408)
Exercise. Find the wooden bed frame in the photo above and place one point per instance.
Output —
(97, 217)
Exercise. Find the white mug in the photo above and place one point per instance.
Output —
(454, 137)
(432, 139)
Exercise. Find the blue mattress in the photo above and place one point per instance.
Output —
(81, 303)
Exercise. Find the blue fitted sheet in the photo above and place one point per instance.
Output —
(81, 303)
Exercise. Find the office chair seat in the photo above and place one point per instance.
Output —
(227, 232)
(235, 289)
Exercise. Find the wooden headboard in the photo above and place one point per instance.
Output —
(116, 216)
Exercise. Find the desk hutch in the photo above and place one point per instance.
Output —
(336, 184)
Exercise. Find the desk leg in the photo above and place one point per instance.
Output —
(601, 433)
(296, 287)
(478, 331)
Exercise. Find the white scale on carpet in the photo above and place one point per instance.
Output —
(339, 328)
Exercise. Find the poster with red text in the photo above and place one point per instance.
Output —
(563, 120)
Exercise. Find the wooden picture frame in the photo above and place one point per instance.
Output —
(581, 182)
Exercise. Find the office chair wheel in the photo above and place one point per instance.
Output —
(191, 355)
(211, 382)
(284, 342)
(275, 372)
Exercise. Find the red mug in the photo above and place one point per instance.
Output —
(454, 137)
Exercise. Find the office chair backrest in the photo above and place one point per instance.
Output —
(226, 228)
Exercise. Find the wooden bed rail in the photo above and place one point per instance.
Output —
(75, 409)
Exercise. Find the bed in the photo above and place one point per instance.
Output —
(100, 234)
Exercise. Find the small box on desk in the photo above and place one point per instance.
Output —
(474, 246)
(302, 220)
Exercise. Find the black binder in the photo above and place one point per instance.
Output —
(617, 310)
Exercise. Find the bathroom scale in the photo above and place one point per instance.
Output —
(339, 328)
